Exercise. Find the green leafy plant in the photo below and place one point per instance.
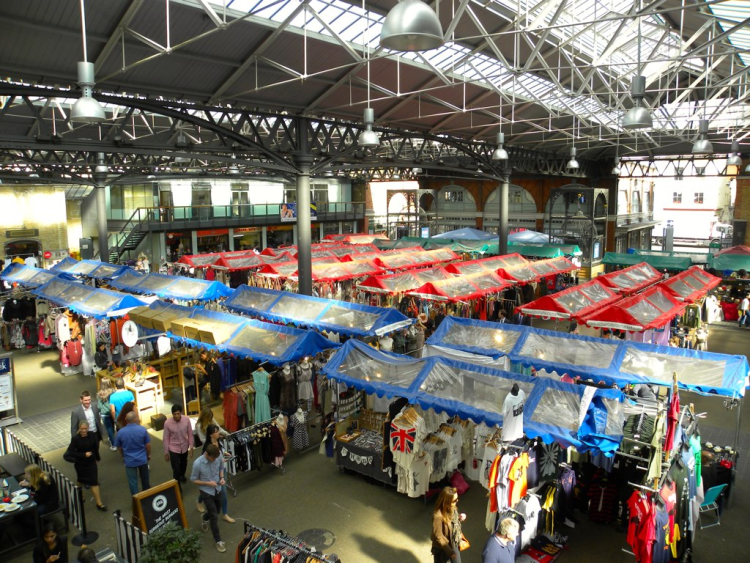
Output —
(171, 544)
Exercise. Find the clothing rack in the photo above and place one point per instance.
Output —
(292, 542)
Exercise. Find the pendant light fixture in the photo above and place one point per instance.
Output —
(702, 145)
(86, 109)
(411, 25)
(573, 163)
(616, 168)
(734, 158)
(367, 139)
(500, 153)
(638, 117)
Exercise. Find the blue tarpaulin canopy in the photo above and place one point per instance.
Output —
(87, 300)
(90, 268)
(172, 287)
(612, 361)
(28, 276)
(323, 314)
(551, 412)
(243, 337)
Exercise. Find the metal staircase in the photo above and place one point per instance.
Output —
(130, 235)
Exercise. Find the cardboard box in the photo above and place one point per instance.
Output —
(157, 421)
(216, 333)
(163, 320)
(178, 326)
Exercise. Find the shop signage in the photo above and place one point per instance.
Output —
(155, 508)
(22, 233)
(288, 212)
(213, 232)
(247, 230)
(47, 255)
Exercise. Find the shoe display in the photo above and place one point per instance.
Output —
(201, 508)
(204, 524)
(228, 518)
(221, 546)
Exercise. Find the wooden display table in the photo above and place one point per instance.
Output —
(149, 397)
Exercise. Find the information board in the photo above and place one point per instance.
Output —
(157, 506)
(8, 410)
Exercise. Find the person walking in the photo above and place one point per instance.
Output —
(84, 450)
(178, 443)
(500, 548)
(119, 398)
(208, 476)
(446, 527)
(744, 311)
(105, 411)
(213, 433)
(134, 444)
(88, 413)
(126, 408)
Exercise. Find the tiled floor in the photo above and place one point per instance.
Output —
(46, 432)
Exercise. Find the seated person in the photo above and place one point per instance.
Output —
(53, 548)
(87, 555)
(43, 489)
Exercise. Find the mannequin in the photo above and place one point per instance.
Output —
(279, 446)
(287, 401)
(300, 438)
(386, 344)
(513, 414)
(304, 383)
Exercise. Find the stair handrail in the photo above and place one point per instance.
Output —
(129, 226)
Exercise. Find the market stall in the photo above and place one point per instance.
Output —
(172, 287)
(673, 261)
(691, 284)
(611, 361)
(463, 288)
(355, 238)
(652, 308)
(338, 317)
(571, 303)
(631, 279)
(93, 269)
(28, 276)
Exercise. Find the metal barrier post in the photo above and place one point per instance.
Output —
(85, 537)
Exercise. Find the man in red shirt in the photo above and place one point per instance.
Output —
(178, 443)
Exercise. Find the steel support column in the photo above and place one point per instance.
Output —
(502, 229)
(303, 160)
(100, 178)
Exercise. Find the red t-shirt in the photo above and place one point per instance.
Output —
(641, 527)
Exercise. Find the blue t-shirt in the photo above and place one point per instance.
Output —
(119, 398)
(496, 552)
(133, 439)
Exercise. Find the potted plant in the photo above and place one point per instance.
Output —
(171, 544)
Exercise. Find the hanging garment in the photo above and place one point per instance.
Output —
(74, 351)
(513, 416)
(304, 378)
(262, 406)
(287, 400)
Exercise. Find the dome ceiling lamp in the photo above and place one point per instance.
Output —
(411, 25)
(367, 139)
(86, 109)
(702, 145)
(734, 158)
(639, 116)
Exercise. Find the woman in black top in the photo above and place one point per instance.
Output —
(53, 548)
(84, 449)
(43, 489)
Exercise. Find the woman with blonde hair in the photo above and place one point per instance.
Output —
(43, 489)
(446, 528)
(205, 419)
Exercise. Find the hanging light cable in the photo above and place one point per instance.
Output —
(86, 109)
(500, 153)
(702, 145)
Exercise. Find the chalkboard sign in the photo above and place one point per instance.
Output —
(155, 507)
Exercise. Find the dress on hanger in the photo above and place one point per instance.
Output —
(262, 406)
(287, 400)
(304, 385)
(300, 438)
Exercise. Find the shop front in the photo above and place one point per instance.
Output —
(213, 240)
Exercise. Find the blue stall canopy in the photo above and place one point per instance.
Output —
(87, 300)
(611, 361)
(172, 287)
(324, 314)
(225, 332)
(554, 411)
(28, 276)
(91, 268)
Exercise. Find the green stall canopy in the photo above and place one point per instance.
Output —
(733, 262)
(658, 262)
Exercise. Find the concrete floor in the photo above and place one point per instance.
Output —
(359, 521)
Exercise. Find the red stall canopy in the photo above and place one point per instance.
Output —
(739, 249)
(289, 268)
(691, 284)
(409, 260)
(491, 264)
(403, 281)
(534, 271)
(338, 271)
(631, 279)
(574, 302)
(358, 238)
(653, 308)
(461, 288)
